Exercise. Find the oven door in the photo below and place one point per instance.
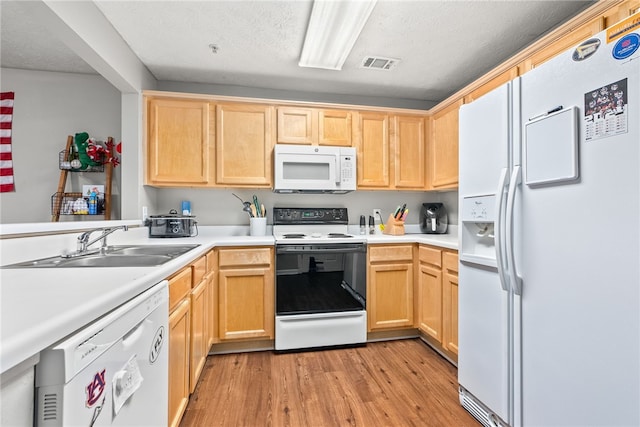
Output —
(320, 295)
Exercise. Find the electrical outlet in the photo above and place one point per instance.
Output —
(377, 214)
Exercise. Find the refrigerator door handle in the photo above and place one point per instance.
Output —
(498, 230)
(515, 279)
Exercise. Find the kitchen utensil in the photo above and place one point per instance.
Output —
(238, 197)
(256, 204)
(254, 213)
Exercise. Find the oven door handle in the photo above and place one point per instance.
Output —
(307, 250)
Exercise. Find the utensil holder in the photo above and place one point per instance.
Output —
(258, 226)
(393, 227)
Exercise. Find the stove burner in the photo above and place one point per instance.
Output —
(338, 235)
(293, 235)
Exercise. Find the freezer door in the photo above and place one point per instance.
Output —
(580, 246)
(484, 142)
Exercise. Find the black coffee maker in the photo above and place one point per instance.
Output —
(433, 218)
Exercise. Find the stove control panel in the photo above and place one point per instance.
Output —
(291, 216)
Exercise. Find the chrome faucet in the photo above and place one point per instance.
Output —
(84, 242)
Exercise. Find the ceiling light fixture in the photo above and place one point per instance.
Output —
(333, 29)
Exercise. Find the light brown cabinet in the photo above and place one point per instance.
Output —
(408, 148)
(245, 293)
(391, 151)
(373, 150)
(244, 145)
(212, 283)
(179, 344)
(563, 43)
(438, 298)
(450, 302)
(199, 321)
(430, 291)
(492, 84)
(314, 126)
(390, 280)
(179, 142)
(443, 148)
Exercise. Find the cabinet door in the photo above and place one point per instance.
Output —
(372, 144)
(390, 299)
(246, 303)
(212, 282)
(450, 312)
(408, 152)
(199, 332)
(295, 125)
(430, 301)
(334, 128)
(443, 148)
(450, 301)
(178, 142)
(563, 43)
(179, 332)
(244, 143)
(497, 81)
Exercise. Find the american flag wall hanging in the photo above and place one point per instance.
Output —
(6, 161)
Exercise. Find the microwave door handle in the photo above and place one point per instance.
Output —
(337, 169)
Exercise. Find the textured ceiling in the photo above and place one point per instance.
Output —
(442, 45)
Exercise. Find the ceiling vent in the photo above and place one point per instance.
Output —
(379, 63)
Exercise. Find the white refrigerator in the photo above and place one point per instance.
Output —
(549, 281)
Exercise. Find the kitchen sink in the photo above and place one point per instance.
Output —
(112, 256)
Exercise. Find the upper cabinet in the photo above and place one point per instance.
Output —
(373, 150)
(244, 145)
(443, 148)
(391, 151)
(563, 43)
(408, 142)
(314, 126)
(179, 142)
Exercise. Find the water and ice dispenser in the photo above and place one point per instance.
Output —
(478, 225)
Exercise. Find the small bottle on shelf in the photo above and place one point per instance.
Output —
(93, 203)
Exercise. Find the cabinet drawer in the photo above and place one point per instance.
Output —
(244, 256)
(198, 270)
(391, 253)
(431, 256)
(179, 286)
(450, 261)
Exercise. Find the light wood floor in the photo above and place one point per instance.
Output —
(391, 383)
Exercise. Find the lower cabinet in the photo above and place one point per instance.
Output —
(189, 333)
(438, 297)
(179, 344)
(450, 302)
(390, 287)
(199, 321)
(246, 296)
(430, 291)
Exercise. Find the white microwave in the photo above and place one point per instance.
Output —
(314, 169)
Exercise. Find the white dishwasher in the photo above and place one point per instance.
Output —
(113, 372)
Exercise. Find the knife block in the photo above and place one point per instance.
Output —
(393, 226)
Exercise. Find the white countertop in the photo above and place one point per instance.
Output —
(39, 307)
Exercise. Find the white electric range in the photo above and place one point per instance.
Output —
(320, 279)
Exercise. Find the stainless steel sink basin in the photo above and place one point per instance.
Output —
(113, 256)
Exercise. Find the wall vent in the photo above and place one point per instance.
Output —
(379, 63)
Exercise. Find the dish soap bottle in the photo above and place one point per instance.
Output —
(93, 203)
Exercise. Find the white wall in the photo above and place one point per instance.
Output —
(48, 107)
(220, 207)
